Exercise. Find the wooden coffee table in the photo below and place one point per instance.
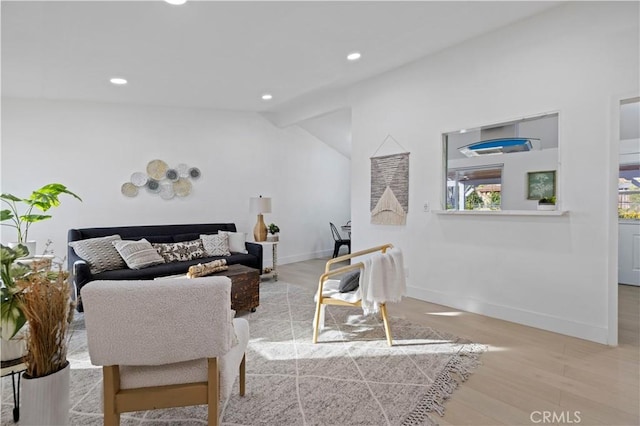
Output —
(245, 287)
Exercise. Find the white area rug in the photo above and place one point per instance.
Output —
(351, 377)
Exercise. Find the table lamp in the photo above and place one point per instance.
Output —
(260, 205)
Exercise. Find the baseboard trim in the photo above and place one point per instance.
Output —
(519, 316)
(304, 256)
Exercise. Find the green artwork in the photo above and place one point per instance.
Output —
(541, 185)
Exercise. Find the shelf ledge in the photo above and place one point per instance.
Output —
(502, 212)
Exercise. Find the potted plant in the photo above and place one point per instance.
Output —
(12, 318)
(273, 231)
(547, 203)
(43, 297)
(43, 199)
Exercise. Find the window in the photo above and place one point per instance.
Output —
(475, 188)
(629, 192)
(489, 167)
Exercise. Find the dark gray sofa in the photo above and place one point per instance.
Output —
(81, 274)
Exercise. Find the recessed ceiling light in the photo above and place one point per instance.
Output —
(463, 131)
(176, 2)
(118, 81)
(354, 56)
(267, 97)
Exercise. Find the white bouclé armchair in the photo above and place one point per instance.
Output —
(164, 343)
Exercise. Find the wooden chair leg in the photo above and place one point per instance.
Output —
(316, 321)
(111, 386)
(213, 391)
(243, 371)
(385, 320)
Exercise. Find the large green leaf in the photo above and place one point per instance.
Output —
(34, 217)
(11, 317)
(47, 196)
(8, 255)
(10, 197)
(5, 215)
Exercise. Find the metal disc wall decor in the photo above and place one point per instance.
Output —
(160, 179)
(153, 185)
(183, 170)
(166, 191)
(182, 187)
(156, 169)
(194, 173)
(172, 175)
(139, 179)
(128, 189)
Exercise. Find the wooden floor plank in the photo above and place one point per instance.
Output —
(528, 370)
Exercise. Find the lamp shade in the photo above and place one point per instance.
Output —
(260, 205)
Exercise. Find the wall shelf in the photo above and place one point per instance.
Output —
(502, 212)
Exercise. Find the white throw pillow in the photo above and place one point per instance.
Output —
(237, 241)
(99, 253)
(138, 254)
(216, 244)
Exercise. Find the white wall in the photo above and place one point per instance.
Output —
(547, 272)
(93, 148)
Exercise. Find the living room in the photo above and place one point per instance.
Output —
(556, 273)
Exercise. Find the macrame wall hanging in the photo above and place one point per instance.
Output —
(390, 186)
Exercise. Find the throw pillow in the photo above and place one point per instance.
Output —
(138, 254)
(237, 241)
(349, 281)
(99, 253)
(216, 245)
(179, 252)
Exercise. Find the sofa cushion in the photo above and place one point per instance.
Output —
(237, 241)
(138, 254)
(179, 252)
(173, 268)
(216, 245)
(99, 253)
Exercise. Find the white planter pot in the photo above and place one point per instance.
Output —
(31, 246)
(14, 348)
(45, 400)
(546, 207)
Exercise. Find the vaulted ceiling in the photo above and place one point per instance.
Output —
(210, 54)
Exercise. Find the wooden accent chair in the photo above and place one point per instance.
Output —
(328, 293)
(164, 343)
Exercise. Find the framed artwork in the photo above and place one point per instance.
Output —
(541, 184)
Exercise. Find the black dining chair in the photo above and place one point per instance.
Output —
(339, 241)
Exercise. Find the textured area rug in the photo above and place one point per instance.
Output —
(351, 377)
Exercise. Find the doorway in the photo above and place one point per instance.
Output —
(629, 193)
(624, 271)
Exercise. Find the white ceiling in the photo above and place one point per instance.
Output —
(226, 54)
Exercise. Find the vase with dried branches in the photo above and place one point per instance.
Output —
(45, 302)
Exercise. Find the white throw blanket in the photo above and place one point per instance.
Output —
(382, 280)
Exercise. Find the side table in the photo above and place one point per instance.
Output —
(27, 261)
(14, 367)
(273, 247)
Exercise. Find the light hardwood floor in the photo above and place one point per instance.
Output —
(528, 373)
